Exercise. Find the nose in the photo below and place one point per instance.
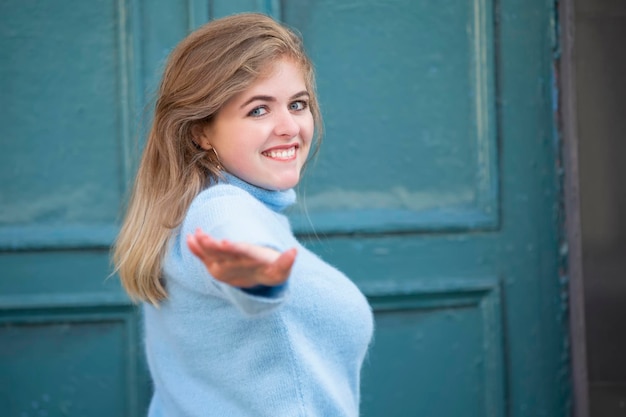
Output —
(286, 125)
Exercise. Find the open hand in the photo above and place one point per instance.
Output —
(241, 264)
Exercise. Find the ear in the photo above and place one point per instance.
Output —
(200, 133)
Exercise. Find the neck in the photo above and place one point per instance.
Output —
(276, 200)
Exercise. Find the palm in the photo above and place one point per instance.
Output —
(241, 264)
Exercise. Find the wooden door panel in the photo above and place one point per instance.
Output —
(437, 351)
(409, 107)
(68, 361)
(61, 125)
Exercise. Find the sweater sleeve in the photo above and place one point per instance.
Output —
(230, 213)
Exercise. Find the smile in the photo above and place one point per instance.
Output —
(281, 154)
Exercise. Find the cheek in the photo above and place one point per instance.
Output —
(308, 129)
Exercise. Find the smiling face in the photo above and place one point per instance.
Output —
(263, 135)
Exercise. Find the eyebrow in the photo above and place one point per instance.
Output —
(270, 98)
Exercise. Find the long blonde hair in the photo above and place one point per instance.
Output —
(210, 66)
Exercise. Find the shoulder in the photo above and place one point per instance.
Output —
(228, 212)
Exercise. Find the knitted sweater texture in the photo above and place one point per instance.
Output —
(217, 350)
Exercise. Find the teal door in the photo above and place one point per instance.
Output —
(436, 191)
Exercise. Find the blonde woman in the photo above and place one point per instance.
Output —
(240, 319)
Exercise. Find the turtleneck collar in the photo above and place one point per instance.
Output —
(275, 200)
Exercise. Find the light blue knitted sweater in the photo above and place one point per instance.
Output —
(216, 350)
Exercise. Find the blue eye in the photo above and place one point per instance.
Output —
(258, 111)
(298, 105)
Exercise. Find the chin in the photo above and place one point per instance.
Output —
(286, 183)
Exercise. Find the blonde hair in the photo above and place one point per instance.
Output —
(209, 67)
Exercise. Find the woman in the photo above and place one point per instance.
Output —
(240, 319)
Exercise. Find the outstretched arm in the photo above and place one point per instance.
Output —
(241, 264)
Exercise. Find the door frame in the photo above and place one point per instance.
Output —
(567, 124)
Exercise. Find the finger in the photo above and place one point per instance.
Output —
(212, 248)
(205, 240)
(194, 247)
(279, 270)
(286, 259)
(203, 250)
(215, 246)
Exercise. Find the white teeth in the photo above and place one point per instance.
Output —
(284, 154)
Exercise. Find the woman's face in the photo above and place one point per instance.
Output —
(263, 135)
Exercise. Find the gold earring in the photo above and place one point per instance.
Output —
(216, 159)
